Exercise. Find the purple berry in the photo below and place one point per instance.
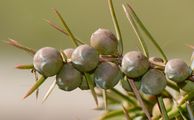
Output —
(134, 64)
(107, 75)
(153, 82)
(85, 58)
(48, 61)
(68, 78)
(104, 41)
(177, 70)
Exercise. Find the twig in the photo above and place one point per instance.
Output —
(138, 96)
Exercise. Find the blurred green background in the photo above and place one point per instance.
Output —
(171, 22)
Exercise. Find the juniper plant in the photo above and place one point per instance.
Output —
(102, 65)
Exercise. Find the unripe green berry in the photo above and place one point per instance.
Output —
(177, 70)
(153, 82)
(107, 75)
(85, 58)
(134, 64)
(48, 61)
(68, 78)
(104, 41)
(68, 52)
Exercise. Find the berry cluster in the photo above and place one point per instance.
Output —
(70, 66)
(102, 64)
(102, 61)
